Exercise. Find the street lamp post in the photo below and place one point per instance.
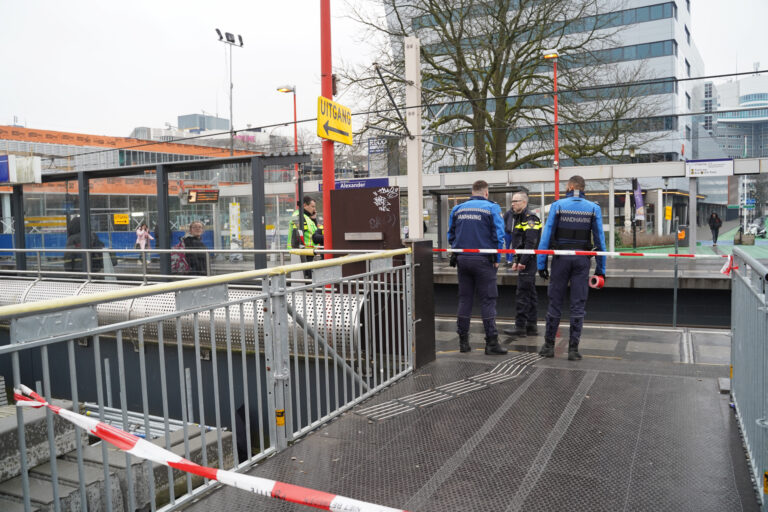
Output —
(292, 89)
(229, 39)
(634, 203)
(553, 54)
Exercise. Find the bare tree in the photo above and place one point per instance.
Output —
(491, 90)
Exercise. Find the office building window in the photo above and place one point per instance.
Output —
(688, 5)
(708, 106)
(687, 68)
(708, 90)
(687, 35)
(687, 132)
(688, 101)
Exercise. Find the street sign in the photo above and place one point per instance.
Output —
(334, 121)
(121, 219)
(750, 201)
(733, 207)
(363, 183)
(667, 213)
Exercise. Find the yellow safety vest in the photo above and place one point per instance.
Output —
(309, 229)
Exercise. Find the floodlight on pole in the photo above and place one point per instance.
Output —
(297, 177)
(229, 39)
(553, 54)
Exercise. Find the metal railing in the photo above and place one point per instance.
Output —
(224, 378)
(133, 264)
(749, 362)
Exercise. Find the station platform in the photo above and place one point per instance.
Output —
(639, 424)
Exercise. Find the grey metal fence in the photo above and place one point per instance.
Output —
(749, 360)
(219, 374)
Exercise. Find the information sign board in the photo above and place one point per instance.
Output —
(334, 121)
(121, 219)
(203, 195)
(706, 168)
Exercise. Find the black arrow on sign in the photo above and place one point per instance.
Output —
(332, 129)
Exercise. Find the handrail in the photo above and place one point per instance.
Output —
(52, 305)
(153, 250)
(752, 262)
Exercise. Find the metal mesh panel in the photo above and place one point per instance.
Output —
(13, 291)
(337, 314)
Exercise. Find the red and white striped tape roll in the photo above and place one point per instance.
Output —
(141, 448)
(596, 282)
(560, 252)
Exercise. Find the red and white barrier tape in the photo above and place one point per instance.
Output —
(561, 252)
(146, 450)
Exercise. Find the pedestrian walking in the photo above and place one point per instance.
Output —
(574, 223)
(714, 226)
(477, 224)
(143, 236)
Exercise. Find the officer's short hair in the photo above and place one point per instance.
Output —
(521, 193)
(479, 186)
(307, 200)
(577, 182)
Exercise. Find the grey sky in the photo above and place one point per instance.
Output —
(104, 67)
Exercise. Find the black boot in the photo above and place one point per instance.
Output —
(464, 343)
(516, 331)
(492, 346)
(532, 330)
(548, 349)
(573, 351)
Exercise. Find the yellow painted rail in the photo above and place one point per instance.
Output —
(44, 306)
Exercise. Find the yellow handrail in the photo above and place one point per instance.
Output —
(18, 310)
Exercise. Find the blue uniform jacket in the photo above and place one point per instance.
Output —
(573, 214)
(476, 224)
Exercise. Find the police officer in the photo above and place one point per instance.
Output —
(573, 224)
(526, 232)
(302, 228)
(477, 224)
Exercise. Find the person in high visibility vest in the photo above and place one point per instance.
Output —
(302, 228)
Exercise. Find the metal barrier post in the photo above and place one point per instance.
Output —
(409, 308)
(277, 364)
(674, 292)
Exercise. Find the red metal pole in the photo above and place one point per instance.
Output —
(326, 70)
(557, 140)
(296, 150)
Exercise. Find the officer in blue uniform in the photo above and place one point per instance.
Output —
(477, 224)
(526, 230)
(573, 224)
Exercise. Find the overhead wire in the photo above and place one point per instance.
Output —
(657, 81)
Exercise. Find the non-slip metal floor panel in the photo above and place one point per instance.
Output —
(595, 435)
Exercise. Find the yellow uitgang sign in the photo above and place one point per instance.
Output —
(121, 218)
(280, 417)
(667, 213)
(334, 121)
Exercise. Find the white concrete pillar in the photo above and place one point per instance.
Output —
(659, 212)
(692, 191)
(413, 143)
(611, 214)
